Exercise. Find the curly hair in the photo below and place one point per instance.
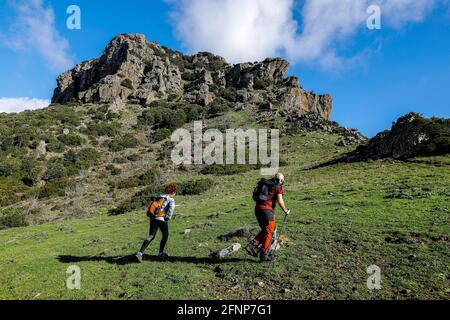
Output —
(171, 188)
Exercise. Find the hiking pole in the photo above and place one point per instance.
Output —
(283, 231)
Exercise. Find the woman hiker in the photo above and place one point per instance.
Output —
(160, 211)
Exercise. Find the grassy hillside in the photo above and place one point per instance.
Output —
(345, 218)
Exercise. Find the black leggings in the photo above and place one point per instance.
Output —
(154, 225)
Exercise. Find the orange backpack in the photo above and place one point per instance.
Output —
(155, 208)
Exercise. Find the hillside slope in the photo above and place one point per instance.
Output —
(75, 179)
(345, 218)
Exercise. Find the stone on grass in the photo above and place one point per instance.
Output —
(224, 253)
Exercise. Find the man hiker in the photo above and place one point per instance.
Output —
(267, 194)
(160, 211)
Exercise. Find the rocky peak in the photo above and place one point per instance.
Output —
(133, 69)
(411, 135)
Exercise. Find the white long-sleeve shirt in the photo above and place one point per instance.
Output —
(169, 207)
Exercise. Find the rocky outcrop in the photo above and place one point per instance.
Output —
(410, 136)
(313, 122)
(133, 69)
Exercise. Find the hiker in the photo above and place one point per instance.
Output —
(267, 194)
(160, 211)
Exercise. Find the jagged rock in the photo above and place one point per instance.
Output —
(312, 122)
(410, 136)
(134, 70)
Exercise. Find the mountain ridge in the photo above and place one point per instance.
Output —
(135, 70)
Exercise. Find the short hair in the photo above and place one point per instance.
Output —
(171, 188)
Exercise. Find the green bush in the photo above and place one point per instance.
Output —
(12, 218)
(147, 118)
(192, 111)
(31, 171)
(188, 76)
(8, 167)
(194, 187)
(115, 171)
(6, 137)
(120, 160)
(71, 139)
(54, 188)
(82, 160)
(103, 129)
(229, 94)
(123, 142)
(54, 171)
(127, 83)
(216, 108)
(162, 134)
(132, 182)
(134, 157)
(260, 84)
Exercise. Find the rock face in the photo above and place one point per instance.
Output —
(132, 69)
(411, 135)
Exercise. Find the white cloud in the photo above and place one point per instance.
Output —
(34, 31)
(11, 105)
(254, 29)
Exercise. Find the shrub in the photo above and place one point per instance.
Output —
(188, 76)
(229, 94)
(82, 160)
(123, 142)
(147, 118)
(171, 120)
(8, 167)
(216, 108)
(150, 177)
(129, 183)
(127, 83)
(71, 139)
(12, 218)
(31, 171)
(54, 171)
(6, 137)
(54, 188)
(115, 171)
(260, 84)
(134, 157)
(120, 160)
(103, 129)
(194, 187)
(192, 111)
(162, 134)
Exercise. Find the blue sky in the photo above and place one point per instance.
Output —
(375, 76)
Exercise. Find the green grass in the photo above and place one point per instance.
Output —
(345, 218)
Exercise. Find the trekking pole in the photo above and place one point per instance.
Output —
(283, 231)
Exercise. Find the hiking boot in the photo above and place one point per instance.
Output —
(251, 249)
(163, 255)
(264, 257)
(139, 257)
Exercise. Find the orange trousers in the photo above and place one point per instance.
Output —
(267, 223)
